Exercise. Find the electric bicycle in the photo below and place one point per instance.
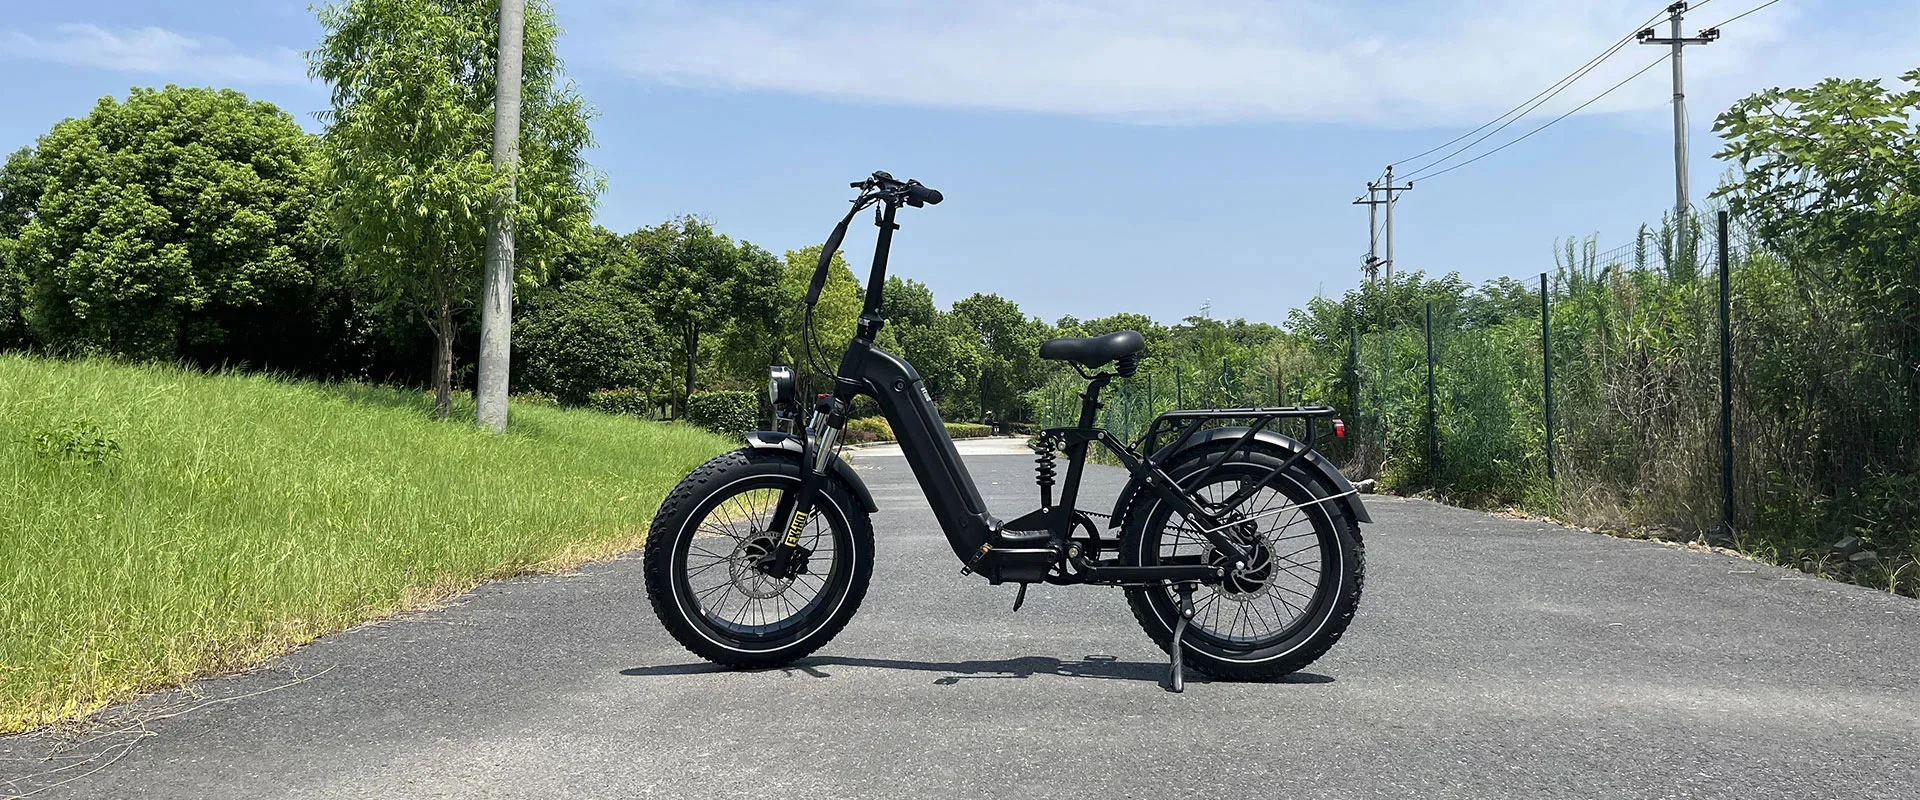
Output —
(1238, 546)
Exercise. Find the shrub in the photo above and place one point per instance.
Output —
(628, 400)
(968, 430)
(154, 224)
(728, 413)
(584, 337)
(869, 429)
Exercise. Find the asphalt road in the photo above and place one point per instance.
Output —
(1492, 658)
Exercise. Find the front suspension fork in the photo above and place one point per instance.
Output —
(795, 509)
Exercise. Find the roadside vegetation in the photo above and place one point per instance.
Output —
(161, 523)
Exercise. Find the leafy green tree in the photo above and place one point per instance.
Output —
(19, 193)
(408, 146)
(698, 283)
(585, 336)
(943, 350)
(1009, 343)
(1831, 175)
(783, 342)
(131, 226)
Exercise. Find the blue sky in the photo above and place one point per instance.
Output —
(1096, 156)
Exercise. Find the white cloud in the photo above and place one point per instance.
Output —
(154, 51)
(1211, 60)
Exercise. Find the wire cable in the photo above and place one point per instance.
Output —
(1642, 71)
(1533, 106)
(1748, 11)
(1555, 87)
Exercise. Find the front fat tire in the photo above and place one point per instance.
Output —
(847, 521)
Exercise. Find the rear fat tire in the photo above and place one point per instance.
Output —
(680, 515)
(1325, 622)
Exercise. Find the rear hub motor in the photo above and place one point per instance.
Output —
(1254, 578)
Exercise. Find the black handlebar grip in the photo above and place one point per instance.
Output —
(924, 194)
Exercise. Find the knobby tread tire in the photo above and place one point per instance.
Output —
(691, 493)
(1346, 605)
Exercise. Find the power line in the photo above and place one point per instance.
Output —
(1555, 88)
(1748, 11)
(1530, 108)
(1642, 71)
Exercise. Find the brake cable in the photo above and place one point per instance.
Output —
(820, 279)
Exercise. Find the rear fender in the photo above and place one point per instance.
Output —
(775, 440)
(1223, 437)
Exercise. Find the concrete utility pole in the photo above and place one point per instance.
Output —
(1675, 12)
(1372, 265)
(1375, 199)
(496, 303)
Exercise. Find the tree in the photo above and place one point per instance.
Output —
(698, 283)
(131, 227)
(768, 327)
(942, 349)
(19, 193)
(1009, 343)
(408, 153)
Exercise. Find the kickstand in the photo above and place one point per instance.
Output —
(1178, 681)
(1020, 598)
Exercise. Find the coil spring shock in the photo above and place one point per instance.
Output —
(1043, 467)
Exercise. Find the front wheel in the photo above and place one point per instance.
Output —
(710, 532)
(1282, 609)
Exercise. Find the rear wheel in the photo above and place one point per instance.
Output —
(1294, 596)
(701, 553)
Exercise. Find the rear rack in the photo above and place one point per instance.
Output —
(1187, 421)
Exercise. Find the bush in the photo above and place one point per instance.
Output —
(629, 401)
(728, 413)
(584, 337)
(869, 429)
(968, 430)
(152, 225)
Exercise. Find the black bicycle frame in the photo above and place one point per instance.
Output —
(971, 529)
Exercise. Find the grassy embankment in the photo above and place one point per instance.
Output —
(160, 524)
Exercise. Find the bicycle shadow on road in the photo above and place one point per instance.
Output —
(1096, 667)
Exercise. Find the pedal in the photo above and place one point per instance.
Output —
(1020, 597)
(1178, 681)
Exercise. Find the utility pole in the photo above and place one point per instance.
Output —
(1381, 194)
(1372, 264)
(1675, 12)
(496, 303)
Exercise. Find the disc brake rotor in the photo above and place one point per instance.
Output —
(744, 572)
(1251, 581)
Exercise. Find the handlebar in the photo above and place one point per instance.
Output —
(886, 187)
(876, 188)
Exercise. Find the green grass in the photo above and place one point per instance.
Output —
(160, 523)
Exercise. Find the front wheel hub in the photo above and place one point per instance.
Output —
(748, 567)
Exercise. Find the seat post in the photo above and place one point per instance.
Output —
(1077, 456)
(1090, 399)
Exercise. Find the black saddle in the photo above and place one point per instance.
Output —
(1094, 351)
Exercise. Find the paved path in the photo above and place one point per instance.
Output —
(1492, 658)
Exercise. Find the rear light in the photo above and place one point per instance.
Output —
(1339, 429)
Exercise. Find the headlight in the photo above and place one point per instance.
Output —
(780, 386)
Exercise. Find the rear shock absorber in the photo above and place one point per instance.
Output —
(1043, 467)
